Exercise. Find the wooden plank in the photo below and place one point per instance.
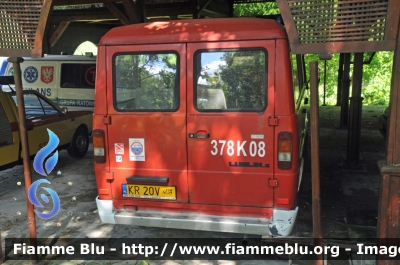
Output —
(21, 52)
(304, 2)
(130, 10)
(43, 25)
(344, 47)
(344, 39)
(313, 17)
(300, 8)
(341, 21)
(289, 22)
(82, 2)
(392, 20)
(338, 28)
(59, 31)
(117, 13)
(349, 35)
(383, 208)
(339, 11)
(393, 225)
(393, 131)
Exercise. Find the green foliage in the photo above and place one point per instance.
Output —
(254, 9)
(376, 76)
(377, 79)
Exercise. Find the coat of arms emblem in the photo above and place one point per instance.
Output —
(46, 74)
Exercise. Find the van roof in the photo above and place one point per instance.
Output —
(195, 30)
(62, 58)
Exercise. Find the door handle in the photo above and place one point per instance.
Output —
(199, 135)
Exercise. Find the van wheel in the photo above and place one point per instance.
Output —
(80, 143)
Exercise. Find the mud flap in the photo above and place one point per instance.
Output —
(283, 222)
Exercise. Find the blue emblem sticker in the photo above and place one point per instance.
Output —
(31, 74)
(136, 149)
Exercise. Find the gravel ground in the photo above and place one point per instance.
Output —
(349, 198)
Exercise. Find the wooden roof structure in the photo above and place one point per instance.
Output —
(313, 26)
(341, 26)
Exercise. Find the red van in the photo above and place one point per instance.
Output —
(199, 125)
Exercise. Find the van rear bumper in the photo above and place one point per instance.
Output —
(281, 224)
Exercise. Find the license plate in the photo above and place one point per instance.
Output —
(149, 191)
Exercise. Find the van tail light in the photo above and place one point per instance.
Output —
(284, 150)
(99, 146)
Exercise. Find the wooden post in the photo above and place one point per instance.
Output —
(389, 197)
(340, 77)
(354, 130)
(314, 130)
(344, 107)
(25, 147)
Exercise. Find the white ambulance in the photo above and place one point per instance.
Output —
(68, 80)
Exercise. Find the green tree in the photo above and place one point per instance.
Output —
(376, 75)
(255, 9)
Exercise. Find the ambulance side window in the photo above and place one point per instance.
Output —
(146, 81)
(78, 75)
(231, 80)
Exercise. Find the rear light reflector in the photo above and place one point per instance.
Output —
(283, 201)
(285, 150)
(99, 146)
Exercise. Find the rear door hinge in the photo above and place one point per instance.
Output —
(110, 176)
(272, 182)
(107, 119)
(272, 121)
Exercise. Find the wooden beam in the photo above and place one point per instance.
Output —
(59, 16)
(42, 27)
(130, 10)
(392, 20)
(289, 22)
(343, 47)
(81, 2)
(104, 14)
(117, 13)
(393, 131)
(59, 31)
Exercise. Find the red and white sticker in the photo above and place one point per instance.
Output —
(136, 149)
(119, 148)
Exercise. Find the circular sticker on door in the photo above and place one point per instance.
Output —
(31, 74)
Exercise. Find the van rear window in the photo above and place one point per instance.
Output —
(146, 82)
(231, 80)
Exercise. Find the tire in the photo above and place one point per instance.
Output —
(80, 143)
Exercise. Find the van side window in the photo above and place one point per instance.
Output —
(77, 75)
(231, 80)
(146, 82)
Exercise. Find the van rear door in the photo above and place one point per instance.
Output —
(147, 130)
(230, 123)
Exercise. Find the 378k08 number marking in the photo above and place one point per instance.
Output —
(222, 146)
